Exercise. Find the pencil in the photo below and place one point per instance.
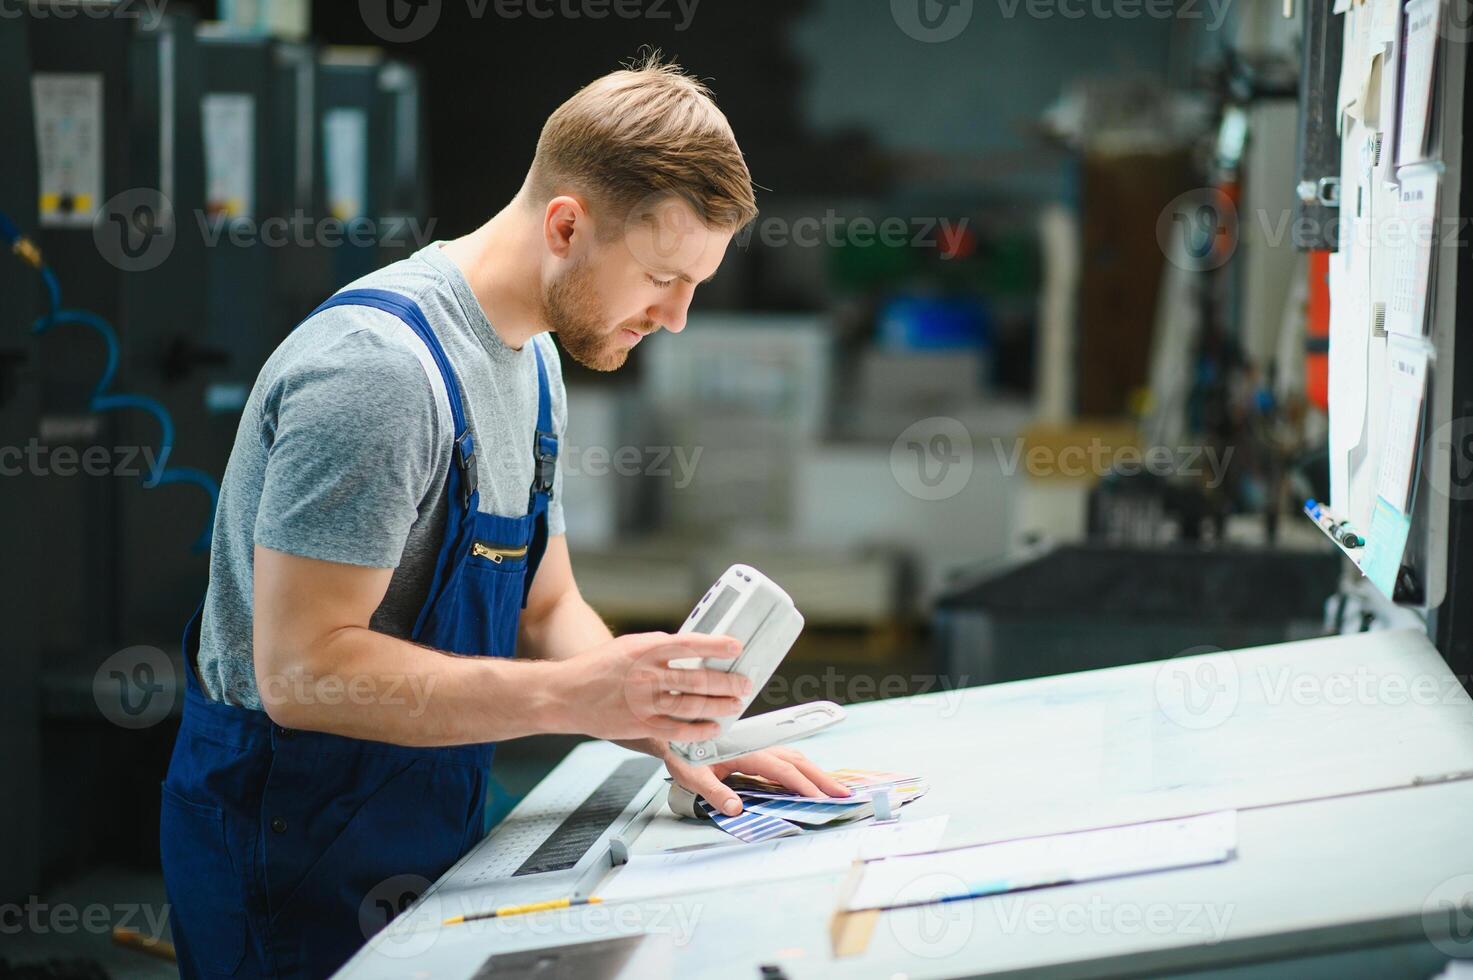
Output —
(133, 939)
(505, 910)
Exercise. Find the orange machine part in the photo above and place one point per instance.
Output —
(1317, 331)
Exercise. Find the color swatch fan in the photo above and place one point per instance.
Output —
(769, 811)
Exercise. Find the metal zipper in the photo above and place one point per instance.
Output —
(496, 555)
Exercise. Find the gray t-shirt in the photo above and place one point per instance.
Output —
(344, 448)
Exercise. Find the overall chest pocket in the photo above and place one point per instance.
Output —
(482, 613)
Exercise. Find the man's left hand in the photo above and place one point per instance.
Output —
(789, 767)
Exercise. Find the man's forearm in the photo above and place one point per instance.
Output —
(364, 684)
(569, 627)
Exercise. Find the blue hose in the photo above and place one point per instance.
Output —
(104, 400)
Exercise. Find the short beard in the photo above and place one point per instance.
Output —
(570, 308)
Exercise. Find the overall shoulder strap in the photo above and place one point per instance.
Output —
(544, 443)
(408, 311)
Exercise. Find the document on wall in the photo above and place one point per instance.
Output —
(1410, 236)
(1406, 374)
(1418, 61)
(1355, 64)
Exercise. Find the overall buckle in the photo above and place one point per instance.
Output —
(465, 458)
(544, 454)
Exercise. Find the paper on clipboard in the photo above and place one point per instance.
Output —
(1418, 58)
(1412, 237)
(1386, 542)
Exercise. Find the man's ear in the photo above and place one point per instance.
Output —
(563, 221)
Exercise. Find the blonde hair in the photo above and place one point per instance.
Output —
(641, 135)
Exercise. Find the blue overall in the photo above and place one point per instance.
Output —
(279, 846)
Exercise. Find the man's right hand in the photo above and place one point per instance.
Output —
(626, 688)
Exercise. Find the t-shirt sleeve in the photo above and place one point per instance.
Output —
(351, 438)
(555, 521)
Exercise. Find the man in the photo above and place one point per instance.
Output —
(388, 597)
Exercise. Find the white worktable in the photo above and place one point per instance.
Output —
(1340, 754)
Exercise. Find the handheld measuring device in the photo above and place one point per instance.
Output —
(749, 606)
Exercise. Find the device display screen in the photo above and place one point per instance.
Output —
(715, 611)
